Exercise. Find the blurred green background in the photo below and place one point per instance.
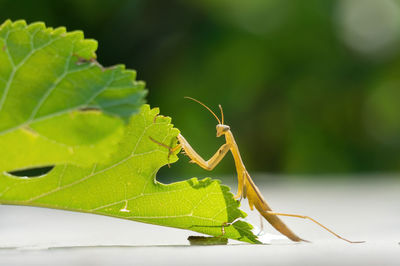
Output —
(308, 87)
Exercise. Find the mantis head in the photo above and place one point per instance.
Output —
(222, 129)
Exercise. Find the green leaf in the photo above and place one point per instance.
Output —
(125, 187)
(52, 90)
(59, 107)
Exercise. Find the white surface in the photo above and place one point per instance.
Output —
(359, 210)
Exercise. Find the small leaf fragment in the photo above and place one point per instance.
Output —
(207, 240)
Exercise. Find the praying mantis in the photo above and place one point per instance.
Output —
(246, 186)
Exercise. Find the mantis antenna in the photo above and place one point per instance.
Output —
(222, 113)
(219, 121)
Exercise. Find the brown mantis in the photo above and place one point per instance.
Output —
(246, 186)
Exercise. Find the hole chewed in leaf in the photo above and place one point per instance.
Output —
(32, 172)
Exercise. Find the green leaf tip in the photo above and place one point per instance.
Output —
(70, 76)
(84, 48)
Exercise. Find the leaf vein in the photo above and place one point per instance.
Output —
(16, 67)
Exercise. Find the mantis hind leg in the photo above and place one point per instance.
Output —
(313, 220)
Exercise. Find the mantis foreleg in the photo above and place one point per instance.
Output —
(196, 158)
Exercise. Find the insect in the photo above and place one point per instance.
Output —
(246, 186)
